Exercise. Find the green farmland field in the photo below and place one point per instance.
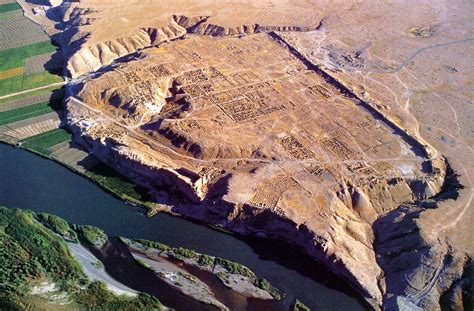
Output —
(111, 179)
(30, 94)
(12, 58)
(20, 83)
(8, 15)
(43, 142)
(9, 7)
(27, 112)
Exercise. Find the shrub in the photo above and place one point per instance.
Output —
(205, 260)
(156, 245)
(263, 284)
(182, 252)
(92, 235)
(235, 268)
(299, 306)
(58, 225)
(30, 250)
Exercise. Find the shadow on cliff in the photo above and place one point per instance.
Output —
(293, 258)
(65, 35)
(400, 245)
(451, 185)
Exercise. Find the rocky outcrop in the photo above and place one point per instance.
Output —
(200, 25)
(416, 272)
(232, 187)
(85, 53)
(345, 245)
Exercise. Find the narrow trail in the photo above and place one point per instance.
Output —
(459, 211)
(425, 291)
(455, 115)
(421, 50)
(32, 90)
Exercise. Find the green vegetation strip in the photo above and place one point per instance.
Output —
(31, 252)
(9, 7)
(8, 15)
(58, 225)
(15, 57)
(43, 142)
(113, 181)
(29, 94)
(92, 235)
(21, 83)
(204, 260)
(22, 113)
(299, 306)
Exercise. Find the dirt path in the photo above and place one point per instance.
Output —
(32, 90)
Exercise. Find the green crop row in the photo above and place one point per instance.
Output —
(8, 15)
(42, 143)
(7, 7)
(26, 112)
(15, 57)
(25, 82)
(31, 94)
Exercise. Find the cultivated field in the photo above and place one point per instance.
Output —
(26, 53)
(27, 112)
(17, 30)
(30, 118)
(43, 142)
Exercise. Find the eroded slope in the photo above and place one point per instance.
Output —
(261, 141)
(97, 32)
(311, 137)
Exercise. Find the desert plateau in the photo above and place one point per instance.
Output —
(340, 131)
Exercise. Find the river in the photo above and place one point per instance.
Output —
(31, 182)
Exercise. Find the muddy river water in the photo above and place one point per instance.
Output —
(30, 182)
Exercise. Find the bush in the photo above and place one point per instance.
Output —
(266, 286)
(182, 252)
(263, 284)
(299, 306)
(97, 297)
(54, 222)
(30, 250)
(235, 268)
(92, 235)
(205, 260)
(58, 225)
(156, 245)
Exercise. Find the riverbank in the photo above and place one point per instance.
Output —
(202, 275)
(38, 269)
(75, 251)
(58, 191)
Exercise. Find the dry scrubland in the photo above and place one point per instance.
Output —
(343, 128)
